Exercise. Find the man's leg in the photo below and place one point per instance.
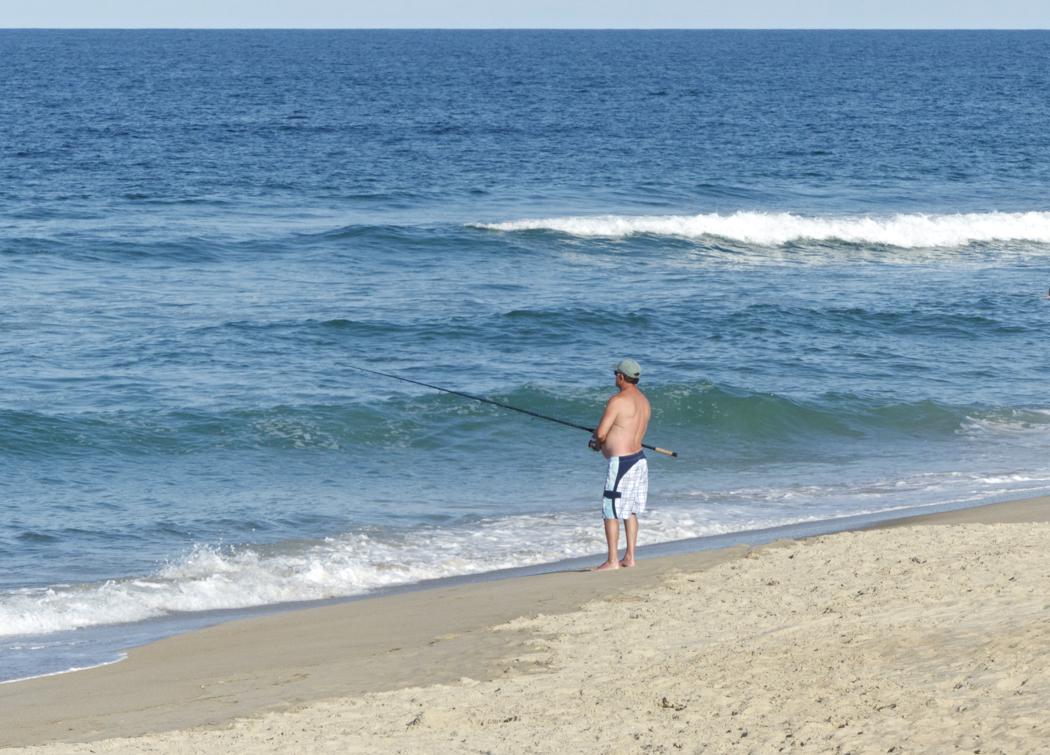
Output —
(612, 535)
(630, 526)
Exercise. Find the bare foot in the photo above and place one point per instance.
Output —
(607, 566)
(627, 562)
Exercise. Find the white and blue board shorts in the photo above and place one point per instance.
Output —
(626, 486)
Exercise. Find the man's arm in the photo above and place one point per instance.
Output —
(608, 419)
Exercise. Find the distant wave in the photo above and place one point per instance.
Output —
(775, 229)
(723, 415)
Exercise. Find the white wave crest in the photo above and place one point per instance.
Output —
(775, 229)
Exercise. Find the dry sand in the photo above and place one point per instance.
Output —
(901, 640)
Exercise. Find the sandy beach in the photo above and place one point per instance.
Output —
(926, 634)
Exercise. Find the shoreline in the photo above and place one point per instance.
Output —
(417, 638)
(111, 642)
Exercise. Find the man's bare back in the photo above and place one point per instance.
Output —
(625, 421)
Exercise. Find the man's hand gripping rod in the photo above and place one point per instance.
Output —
(496, 403)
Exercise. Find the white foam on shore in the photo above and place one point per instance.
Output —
(775, 229)
(225, 578)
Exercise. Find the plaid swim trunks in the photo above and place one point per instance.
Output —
(626, 486)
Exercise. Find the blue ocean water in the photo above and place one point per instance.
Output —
(826, 249)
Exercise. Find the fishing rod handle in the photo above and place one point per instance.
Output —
(663, 451)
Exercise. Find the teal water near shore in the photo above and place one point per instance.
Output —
(827, 250)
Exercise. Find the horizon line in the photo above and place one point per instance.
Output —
(516, 28)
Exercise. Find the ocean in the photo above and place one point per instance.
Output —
(828, 251)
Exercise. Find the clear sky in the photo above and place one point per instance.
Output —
(549, 14)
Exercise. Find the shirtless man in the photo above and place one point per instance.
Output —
(619, 438)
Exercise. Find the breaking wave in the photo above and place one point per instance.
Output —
(776, 229)
(225, 578)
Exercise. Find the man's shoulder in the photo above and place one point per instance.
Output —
(629, 398)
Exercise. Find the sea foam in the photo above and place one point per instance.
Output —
(774, 229)
(227, 578)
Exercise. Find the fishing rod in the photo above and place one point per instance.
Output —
(496, 403)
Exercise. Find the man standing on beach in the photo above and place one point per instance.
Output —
(619, 438)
